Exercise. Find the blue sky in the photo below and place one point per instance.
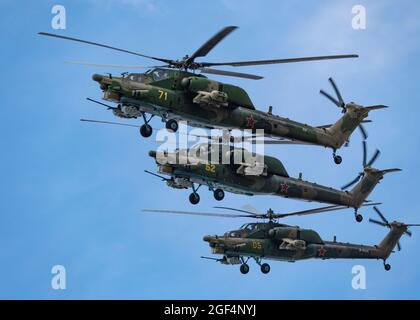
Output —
(72, 193)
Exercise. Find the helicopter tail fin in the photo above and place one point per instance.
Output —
(392, 239)
(353, 118)
(370, 178)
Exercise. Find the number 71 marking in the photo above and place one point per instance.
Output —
(163, 95)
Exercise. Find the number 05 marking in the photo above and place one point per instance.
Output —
(256, 245)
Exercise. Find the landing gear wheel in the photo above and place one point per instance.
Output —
(359, 218)
(265, 268)
(172, 125)
(338, 159)
(194, 198)
(219, 194)
(387, 266)
(244, 268)
(146, 130)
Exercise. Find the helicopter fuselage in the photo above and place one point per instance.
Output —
(286, 251)
(181, 95)
(290, 243)
(225, 176)
(274, 180)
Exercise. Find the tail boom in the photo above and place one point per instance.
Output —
(341, 131)
(371, 177)
(387, 245)
(340, 250)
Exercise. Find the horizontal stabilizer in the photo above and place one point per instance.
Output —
(390, 170)
(376, 107)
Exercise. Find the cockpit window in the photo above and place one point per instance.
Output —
(200, 152)
(160, 74)
(138, 77)
(250, 226)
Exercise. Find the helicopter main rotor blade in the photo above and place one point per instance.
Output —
(122, 66)
(104, 46)
(157, 175)
(212, 42)
(102, 104)
(278, 142)
(110, 122)
(195, 213)
(310, 211)
(231, 74)
(239, 210)
(319, 210)
(211, 258)
(297, 213)
(276, 61)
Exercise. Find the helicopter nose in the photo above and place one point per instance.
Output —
(97, 77)
(212, 240)
(152, 154)
(207, 238)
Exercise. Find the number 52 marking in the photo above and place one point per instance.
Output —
(210, 168)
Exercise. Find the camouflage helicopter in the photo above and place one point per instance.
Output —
(275, 241)
(175, 92)
(270, 178)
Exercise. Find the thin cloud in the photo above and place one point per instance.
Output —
(148, 5)
(381, 45)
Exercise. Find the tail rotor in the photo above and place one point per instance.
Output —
(365, 163)
(340, 103)
(385, 223)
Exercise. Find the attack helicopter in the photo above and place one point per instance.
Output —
(175, 92)
(267, 176)
(275, 241)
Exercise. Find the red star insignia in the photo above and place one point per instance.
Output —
(284, 187)
(322, 252)
(250, 122)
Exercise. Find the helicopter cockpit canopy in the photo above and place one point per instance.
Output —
(203, 151)
(248, 229)
(138, 77)
(156, 74)
(159, 74)
(234, 234)
(250, 226)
